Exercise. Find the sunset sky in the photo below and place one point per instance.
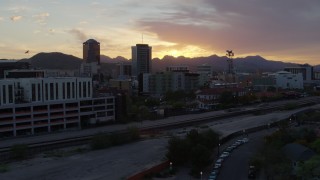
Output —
(287, 30)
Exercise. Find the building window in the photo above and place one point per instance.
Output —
(80, 90)
(57, 90)
(68, 90)
(39, 93)
(63, 91)
(84, 89)
(10, 93)
(4, 94)
(73, 90)
(51, 91)
(110, 113)
(33, 92)
(46, 91)
(89, 88)
(109, 100)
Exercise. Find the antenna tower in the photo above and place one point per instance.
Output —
(231, 71)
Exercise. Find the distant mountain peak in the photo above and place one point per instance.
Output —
(58, 60)
(54, 60)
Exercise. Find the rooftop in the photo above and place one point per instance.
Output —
(91, 41)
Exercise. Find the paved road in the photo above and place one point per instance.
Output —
(114, 163)
(119, 162)
(235, 167)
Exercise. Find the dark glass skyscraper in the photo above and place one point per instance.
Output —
(91, 51)
(141, 59)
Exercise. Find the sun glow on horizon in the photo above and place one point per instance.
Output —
(174, 53)
(187, 51)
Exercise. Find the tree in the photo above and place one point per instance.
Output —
(210, 139)
(177, 105)
(134, 112)
(175, 95)
(274, 162)
(143, 113)
(316, 146)
(134, 133)
(310, 168)
(19, 151)
(227, 97)
(246, 99)
(196, 148)
(178, 151)
(100, 141)
(193, 137)
(150, 102)
(200, 158)
(271, 89)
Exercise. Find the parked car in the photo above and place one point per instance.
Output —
(245, 140)
(240, 141)
(218, 164)
(229, 149)
(237, 143)
(213, 175)
(217, 167)
(220, 160)
(224, 155)
(252, 172)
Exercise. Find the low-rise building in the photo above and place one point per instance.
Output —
(306, 70)
(178, 68)
(12, 64)
(123, 70)
(287, 80)
(210, 98)
(205, 73)
(161, 82)
(36, 105)
(262, 83)
(121, 84)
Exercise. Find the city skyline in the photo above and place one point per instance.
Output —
(286, 30)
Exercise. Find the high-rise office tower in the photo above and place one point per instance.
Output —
(91, 51)
(141, 59)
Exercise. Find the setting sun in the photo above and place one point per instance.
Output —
(174, 53)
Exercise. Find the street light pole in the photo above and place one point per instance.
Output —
(200, 175)
(244, 132)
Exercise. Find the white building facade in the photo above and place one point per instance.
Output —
(287, 80)
(40, 105)
(6, 93)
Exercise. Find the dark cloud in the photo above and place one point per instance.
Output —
(81, 36)
(249, 26)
